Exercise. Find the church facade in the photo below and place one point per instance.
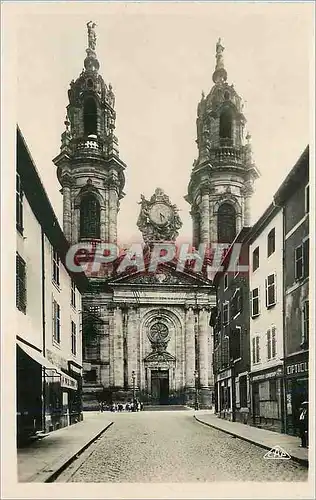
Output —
(146, 327)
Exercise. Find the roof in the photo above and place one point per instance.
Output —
(42, 208)
(240, 238)
(297, 176)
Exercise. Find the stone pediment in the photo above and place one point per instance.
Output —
(163, 276)
(159, 356)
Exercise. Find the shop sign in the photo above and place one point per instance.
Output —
(265, 376)
(68, 382)
(225, 374)
(297, 368)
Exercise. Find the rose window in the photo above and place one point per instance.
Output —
(158, 332)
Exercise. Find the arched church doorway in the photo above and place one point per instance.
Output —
(160, 386)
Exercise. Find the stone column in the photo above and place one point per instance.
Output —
(111, 344)
(247, 219)
(118, 348)
(76, 225)
(203, 348)
(113, 199)
(189, 349)
(102, 223)
(247, 192)
(106, 219)
(67, 210)
(132, 346)
(205, 217)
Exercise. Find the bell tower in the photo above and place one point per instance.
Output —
(223, 174)
(88, 166)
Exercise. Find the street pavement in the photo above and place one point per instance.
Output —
(174, 447)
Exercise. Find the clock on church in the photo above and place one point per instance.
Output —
(160, 214)
(158, 219)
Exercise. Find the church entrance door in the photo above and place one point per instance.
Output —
(160, 386)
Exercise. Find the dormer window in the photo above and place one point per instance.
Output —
(226, 96)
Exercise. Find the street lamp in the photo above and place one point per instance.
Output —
(196, 403)
(133, 378)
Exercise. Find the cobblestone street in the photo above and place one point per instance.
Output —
(172, 447)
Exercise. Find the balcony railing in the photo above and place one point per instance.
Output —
(89, 144)
(227, 154)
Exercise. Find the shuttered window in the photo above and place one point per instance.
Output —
(20, 283)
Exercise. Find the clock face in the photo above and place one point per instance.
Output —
(160, 214)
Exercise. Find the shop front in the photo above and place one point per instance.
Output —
(266, 399)
(29, 408)
(75, 395)
(296, 390)
(59, 394)
(224, 388)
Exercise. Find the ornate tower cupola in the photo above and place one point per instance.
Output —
(222, 177)
(88, 166)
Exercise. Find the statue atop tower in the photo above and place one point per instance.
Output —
(223, 174)
(88, 166)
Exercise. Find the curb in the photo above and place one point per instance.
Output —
(302, 461)
(50, 476)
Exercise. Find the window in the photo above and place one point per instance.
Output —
(305, 322)
(234, 343)
(90, 116)
(255, 306)
(19, 204)
(255, 259)
(256, 349)
(269, 343)
(73, 338)
(273, 390)
(302, 260)
(273, 341)
(73, 293)
(226, 223)
(271, 242)
(270, 290)
(20, 284)
(225, 313)
(236, 303)
(225, 281)
(55, 267)
(225, 124)
(307, 199)
(90, 376)
(56, 322)
(243, 391)
(89, 217)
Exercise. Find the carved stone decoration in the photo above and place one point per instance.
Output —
(158, 333)
(158, 219)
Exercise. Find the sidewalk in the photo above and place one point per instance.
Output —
(42, 459)
(260, 437)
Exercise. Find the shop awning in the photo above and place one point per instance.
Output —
(52, 371)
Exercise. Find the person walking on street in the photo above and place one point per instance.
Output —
(303, 424)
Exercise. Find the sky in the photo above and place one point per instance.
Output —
(159, 57)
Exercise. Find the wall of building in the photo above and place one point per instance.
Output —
(125, 346)
(266, 390)
(28, 245)
(296, 292)
(274, 315)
